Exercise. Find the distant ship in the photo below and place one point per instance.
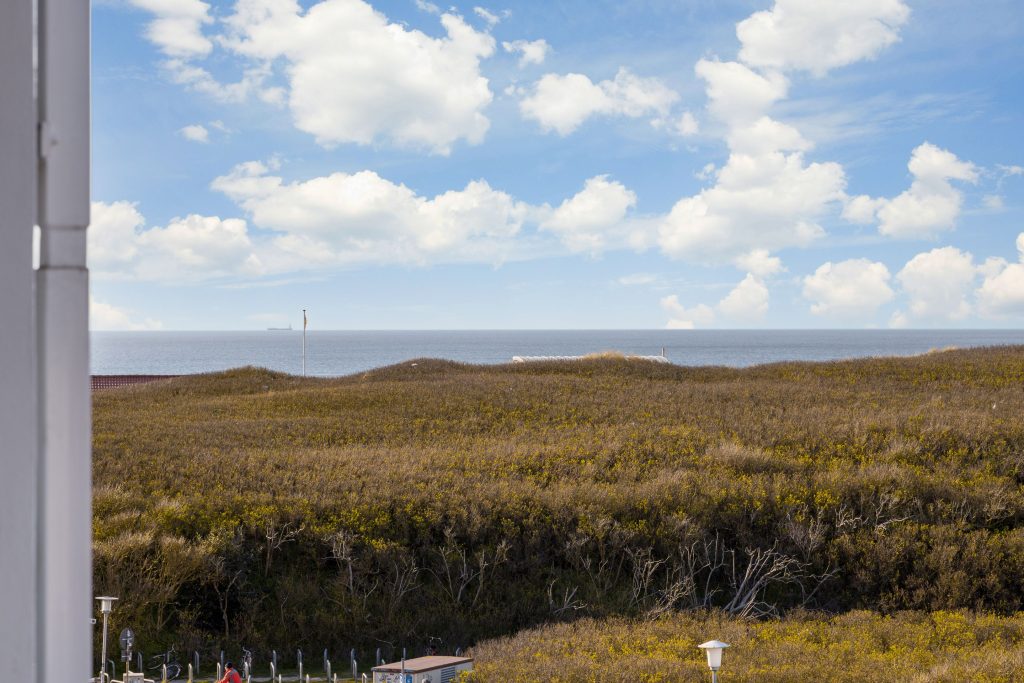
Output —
(280, 329)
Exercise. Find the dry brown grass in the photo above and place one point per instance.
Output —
(365, 507)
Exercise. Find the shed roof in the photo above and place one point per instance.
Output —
(421, 664)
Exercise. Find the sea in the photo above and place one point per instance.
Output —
(338, 353)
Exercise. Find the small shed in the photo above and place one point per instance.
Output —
(433, 669)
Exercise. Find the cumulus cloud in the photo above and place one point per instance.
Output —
(768, 196)
(747, 301)
(593, 217)
(490, 17)
(530, 51)
(177, 26)
(736, 93)
(186, 249)
(760, 202)
(113, 236)
(686, 125)
(760, 263)
(938, 284)
(1002, 291)
(682, 318)
(362, 217)
(817, 36)
(195, 133)
(931, 205)
(561, 103)
(355, 77)
(349, 74)
(854, 288)
(106, 317)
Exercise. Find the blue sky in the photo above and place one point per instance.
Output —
(564, 164)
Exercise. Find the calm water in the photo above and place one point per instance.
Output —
(342, 353)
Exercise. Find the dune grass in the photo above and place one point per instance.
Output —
(856, 647)
(438, 499)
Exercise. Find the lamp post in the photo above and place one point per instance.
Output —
(106, 605)
(713, 649)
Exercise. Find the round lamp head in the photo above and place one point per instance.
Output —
(106, 603)
(713, 649)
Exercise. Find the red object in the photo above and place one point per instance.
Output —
(115, 381)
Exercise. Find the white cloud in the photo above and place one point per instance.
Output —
(589, 220)
(177, 29)
(197, 247)
(765, 202)
(113, 235)
(428, 7)
(637, 279)
(747, 301)
(766, 197)
(994, 202)
(738, 94)
(760, 263)
(765, 136)
(355, 77)
(938, 283)
(898, 320)
(931, 205)
(195, 133)
(562, 103)
(361, 217)
(530, 51)
(685, 125)
(819, 35)
(682, 318)
(251, 84)
(854, 288)
(1002, 291)
(1003, 294)
(490, 17)
(862, 209)
(351, 75)
(105, 317)
(186, 249)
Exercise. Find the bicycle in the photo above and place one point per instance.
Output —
(168, 659)
(434, 645)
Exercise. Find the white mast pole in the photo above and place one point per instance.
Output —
(19, 486)
(62, 291)
(303, 342)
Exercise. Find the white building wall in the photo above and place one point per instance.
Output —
(45, 520)
(19, 447)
